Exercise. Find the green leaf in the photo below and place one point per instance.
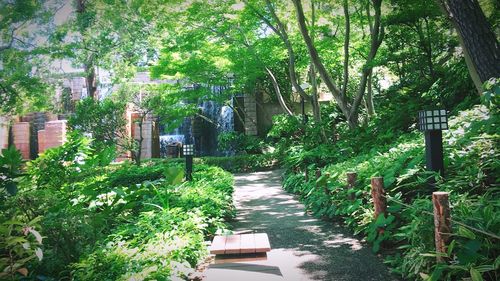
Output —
(475, 275)
(464, 232)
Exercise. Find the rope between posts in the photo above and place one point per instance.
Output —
(450, 219)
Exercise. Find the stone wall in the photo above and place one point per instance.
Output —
(151, 143)
(250, 106)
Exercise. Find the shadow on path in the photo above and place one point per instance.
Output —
(303, 247)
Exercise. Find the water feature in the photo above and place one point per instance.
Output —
(216, 119)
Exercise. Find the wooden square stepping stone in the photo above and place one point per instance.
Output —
(240, 244)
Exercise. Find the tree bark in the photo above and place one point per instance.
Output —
(346, 46)
(90, 78)
(313, 54)
(376, 37)
(370, 107)
(276, 86)
(89, 64)
(139, 142)
(481, 47)
(280, 30)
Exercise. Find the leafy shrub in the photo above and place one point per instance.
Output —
(88, 206)
(10, 170)
(238, 163)
(20, 242)
(471, 149)
(239, 143)
(167, 238)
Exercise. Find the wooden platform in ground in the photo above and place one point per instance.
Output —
(240, 244)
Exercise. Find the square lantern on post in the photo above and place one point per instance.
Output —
(188, 150)
(432, 123)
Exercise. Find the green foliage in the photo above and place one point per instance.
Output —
(471, 169)
(10, 170)
(112, 221)
(238, 163)
(239, 143)
(62, 166)
(103, 120)
(20, 243)
(21, 88)
(491, 95)
(167, 238)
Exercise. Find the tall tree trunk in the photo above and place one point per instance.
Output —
(313, 54)
(276, 86)
(376, 37)
(314, 82)
(370, 108)
(281, 31)
(139, 142)
(315, 102)
(481, 47)
(346, 46)
(90, 78)
(89, 64)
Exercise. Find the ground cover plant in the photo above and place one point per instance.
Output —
(471, 178)
(342, 82)
(75, 215)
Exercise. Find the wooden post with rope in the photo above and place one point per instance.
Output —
(378, 195)
(351, 182)
(442, 223)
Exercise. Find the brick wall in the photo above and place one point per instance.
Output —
(53, 135)
(21, 132)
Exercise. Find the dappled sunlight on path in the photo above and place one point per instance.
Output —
(303, 247)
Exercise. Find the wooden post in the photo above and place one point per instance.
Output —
(442, 223)
(318, 173)
(378, 195)
(351, 182)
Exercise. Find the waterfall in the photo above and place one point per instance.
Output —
(217, 119)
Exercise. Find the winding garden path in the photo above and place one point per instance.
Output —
(303, 247)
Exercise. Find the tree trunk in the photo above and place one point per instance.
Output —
(315, 102)
(139, 141)
(370, 108)
(376, 37)
(280, 30)
(90, 78)
(88, 65)
(276, 86)
(346, 46)
(313, 54)
(480, 45)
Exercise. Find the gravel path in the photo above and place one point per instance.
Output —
(303, 247)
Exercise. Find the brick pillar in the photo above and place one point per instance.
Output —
(21, 132)
(41, 141)
(54, 135)
(250, 115)
(4, 133)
